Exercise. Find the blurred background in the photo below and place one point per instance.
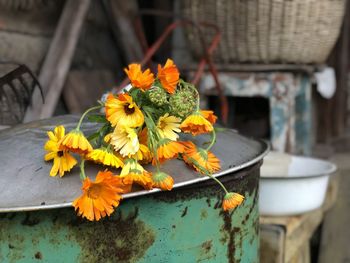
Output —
(272, 69)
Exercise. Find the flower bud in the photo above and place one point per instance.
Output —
(182, 103)
(157, 96)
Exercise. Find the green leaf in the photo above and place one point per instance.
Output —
(105, 129)
(93, 136)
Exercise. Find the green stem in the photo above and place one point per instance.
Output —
(204, 171)
(85, 113)
(153, 128)
(157, 166)
(82, 170)
(108, 148)
(153, 137)
(215, 179)
(213, 140)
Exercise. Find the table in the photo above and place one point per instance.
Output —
(286, 239)
(289, 97)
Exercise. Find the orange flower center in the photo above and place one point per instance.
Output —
(60, 153)
(94, 191)
(162, 124)
(129, 110)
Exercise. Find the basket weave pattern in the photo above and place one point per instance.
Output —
(282, 31)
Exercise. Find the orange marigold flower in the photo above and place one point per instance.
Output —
(231, 201)
(123, 111)
(209, 115)
(144, 179)
(196, 124)
(139, 79)
(202, 160)
(143, 136)
(133, 172)
(143, 155)
(163, 181)
(168, 76)
(168, 150)
(75, 141)
(99, 198)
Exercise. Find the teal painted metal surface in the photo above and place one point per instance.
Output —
(184, 225)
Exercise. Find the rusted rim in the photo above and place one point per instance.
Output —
(148, 192)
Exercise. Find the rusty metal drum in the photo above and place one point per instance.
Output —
(186, 224)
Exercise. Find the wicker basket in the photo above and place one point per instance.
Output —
(268, 31)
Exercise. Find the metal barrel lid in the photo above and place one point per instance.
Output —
(25, 183)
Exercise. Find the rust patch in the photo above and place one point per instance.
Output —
(30, 221)
(38, 255)
(204, 214)
(227, 228)
(206, 252)
(117, 239)
(208, 202)
(11, 216)
(184, 212)
(206, 246)
(218, 204)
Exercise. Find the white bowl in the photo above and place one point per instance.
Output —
(290, 185)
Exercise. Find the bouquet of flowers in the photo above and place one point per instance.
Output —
(139, 126)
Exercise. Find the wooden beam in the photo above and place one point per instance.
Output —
(121, 15)
(341, 68)
(58, 59)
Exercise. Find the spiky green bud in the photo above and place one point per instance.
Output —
(157, 96)
(182, 103)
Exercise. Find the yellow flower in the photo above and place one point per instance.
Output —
(75, 141)
(139, 79)
(104, 156)
(168, 126)
(133, 172)
(196, 124)
(168, 150)
(231, 201)
(107, 138)
(143, 155)
(163, 181)
(123, 111)
(99, 198)
(168, 76)
(200, 159)
(125, 140)
(63, 161)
